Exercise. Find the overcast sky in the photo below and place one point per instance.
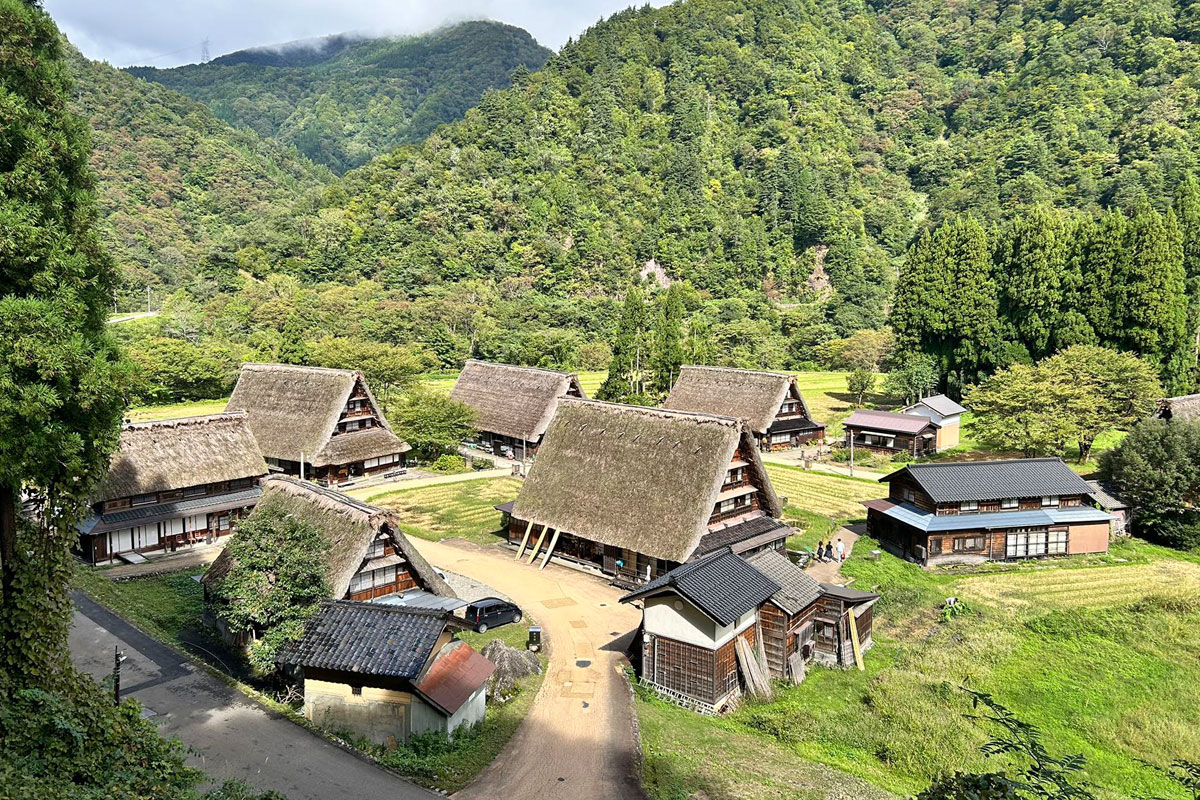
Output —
(166, 33)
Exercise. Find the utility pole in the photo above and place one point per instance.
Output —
(147, 299)
(301, 465)
(118, 657)
(851, 454)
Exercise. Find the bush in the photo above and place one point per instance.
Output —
(1180, 530)
(449, 465)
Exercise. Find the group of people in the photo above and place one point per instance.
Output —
(829, 551)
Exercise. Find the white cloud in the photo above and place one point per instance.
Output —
(169, 32)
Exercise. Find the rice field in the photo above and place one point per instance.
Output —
(1085, 588)
(834, 496)
(463, 509)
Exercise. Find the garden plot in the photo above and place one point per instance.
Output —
(1085, 588)
(464, 509)
(824, 493)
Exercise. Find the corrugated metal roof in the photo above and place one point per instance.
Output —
(942, 405)
(721, 585)
(887, 421)
(1038, 518)
(456, 673)
(368, 638)
(955, 482)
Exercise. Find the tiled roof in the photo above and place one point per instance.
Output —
(887, 421)
(846, 594)
(721, 585)
(368, 638)
(156, 512)
(942, 405)
(456, 673)
(928, 522)
(1104, 494)
(954, 482)
(740, 533)
(797, 589)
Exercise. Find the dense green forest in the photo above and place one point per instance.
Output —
(175, 184)
(342, 100)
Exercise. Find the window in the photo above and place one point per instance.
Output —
(223, 522)
(144, 499)
(790, 407)
(780, 438)
(377, 548)
(241, 483)
(1009, 502)
(964, 544)
(112, 505)
(908, 495)
(733, 504)
(968, 505)
(1025, 543)
(935, 547)
(735, 476)
(168, 496)
(356, 691)
(1050, 501)
(370, 579)
(1057, 543)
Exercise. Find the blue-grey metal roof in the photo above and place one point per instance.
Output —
(1038, 518)
(1106, 495)
(942, 405)
(368, 638)
(957, 481)
(419, 598)
(721, 585)
(156, 512)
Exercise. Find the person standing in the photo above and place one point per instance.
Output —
(841, 551)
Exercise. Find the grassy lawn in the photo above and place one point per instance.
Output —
(163, 605)
(1103, 656)
(461, 509)
(194, 408)
(824, 493)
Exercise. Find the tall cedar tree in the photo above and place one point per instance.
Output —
(60, 396)
(630, 354)
(1030, 261)
(946, 303)
(668, 355)
(1187, 211)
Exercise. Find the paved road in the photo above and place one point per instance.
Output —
(578, 740)
(232, 736)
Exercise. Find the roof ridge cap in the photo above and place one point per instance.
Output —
(650, 410)
(548, 371)
(267, 365)
(739, 369)
(194, 419)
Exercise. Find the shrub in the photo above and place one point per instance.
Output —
(449, 464)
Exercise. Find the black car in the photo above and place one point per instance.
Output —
(491, 612)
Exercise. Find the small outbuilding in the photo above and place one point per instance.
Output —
(1106, 498)
(945, 414)
(387, 672)
(321, 424)
(770, 402)
(513, 405)
(891, 433)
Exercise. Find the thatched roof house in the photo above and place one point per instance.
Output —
(1185, 407)
(770, 402)
(513, 405)
(368, 556)
(172, 482)
(327, 416)
(644, 484)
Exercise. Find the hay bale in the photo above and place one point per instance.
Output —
(511, 665)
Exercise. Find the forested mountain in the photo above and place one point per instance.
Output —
(342, 100)
(175, 184)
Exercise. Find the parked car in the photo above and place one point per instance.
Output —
(491, 612)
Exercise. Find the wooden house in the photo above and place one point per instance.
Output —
(888, 432)
(368, 556)
(387, 672)
(633, 492)
(945, 414)
(513, 405)
(172, 483)
(1106, 498)
(974, 511)
(770, 402)
(323, 424)
(694, 616)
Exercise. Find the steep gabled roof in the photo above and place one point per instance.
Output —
(752, 395)
(294, 410)
(641, 478)
(369, 639)
(721, 585)
(887, 421)
(1185, 407)
(958, 481)
(173, 454)
(512, 401)
(797, 589)
(350, 526)
(941, 404)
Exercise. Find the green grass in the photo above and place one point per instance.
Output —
(836, 496)
(193, 408)
(162, 605)
(463, 509)
(1103, 656)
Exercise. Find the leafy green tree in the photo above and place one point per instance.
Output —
(1156, 468)
(431, 422)
(1015, 409)
(859, 383)
(626, 380)
(915, 378)
(389, 369)
(864, 349)
(293, 349)
(667, 354)
(60, 382)
(275, 582)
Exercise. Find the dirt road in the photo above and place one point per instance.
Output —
(578, 739)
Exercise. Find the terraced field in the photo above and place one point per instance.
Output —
(462, 509)
(1085, 588)
(823, 493)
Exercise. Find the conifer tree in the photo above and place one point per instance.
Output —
(1101, 248)
(1187, 211)
(667, 355)
(292, 348)
(625, 381)
(60, 397)
(1030, 262)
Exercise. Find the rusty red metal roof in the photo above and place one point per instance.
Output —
(456, 673)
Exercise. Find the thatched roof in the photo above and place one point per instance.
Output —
(751, 395)
(642, 478)
(349, 525)
(294, 410)
(176, 453)
(1185, 407)
(513, 401)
